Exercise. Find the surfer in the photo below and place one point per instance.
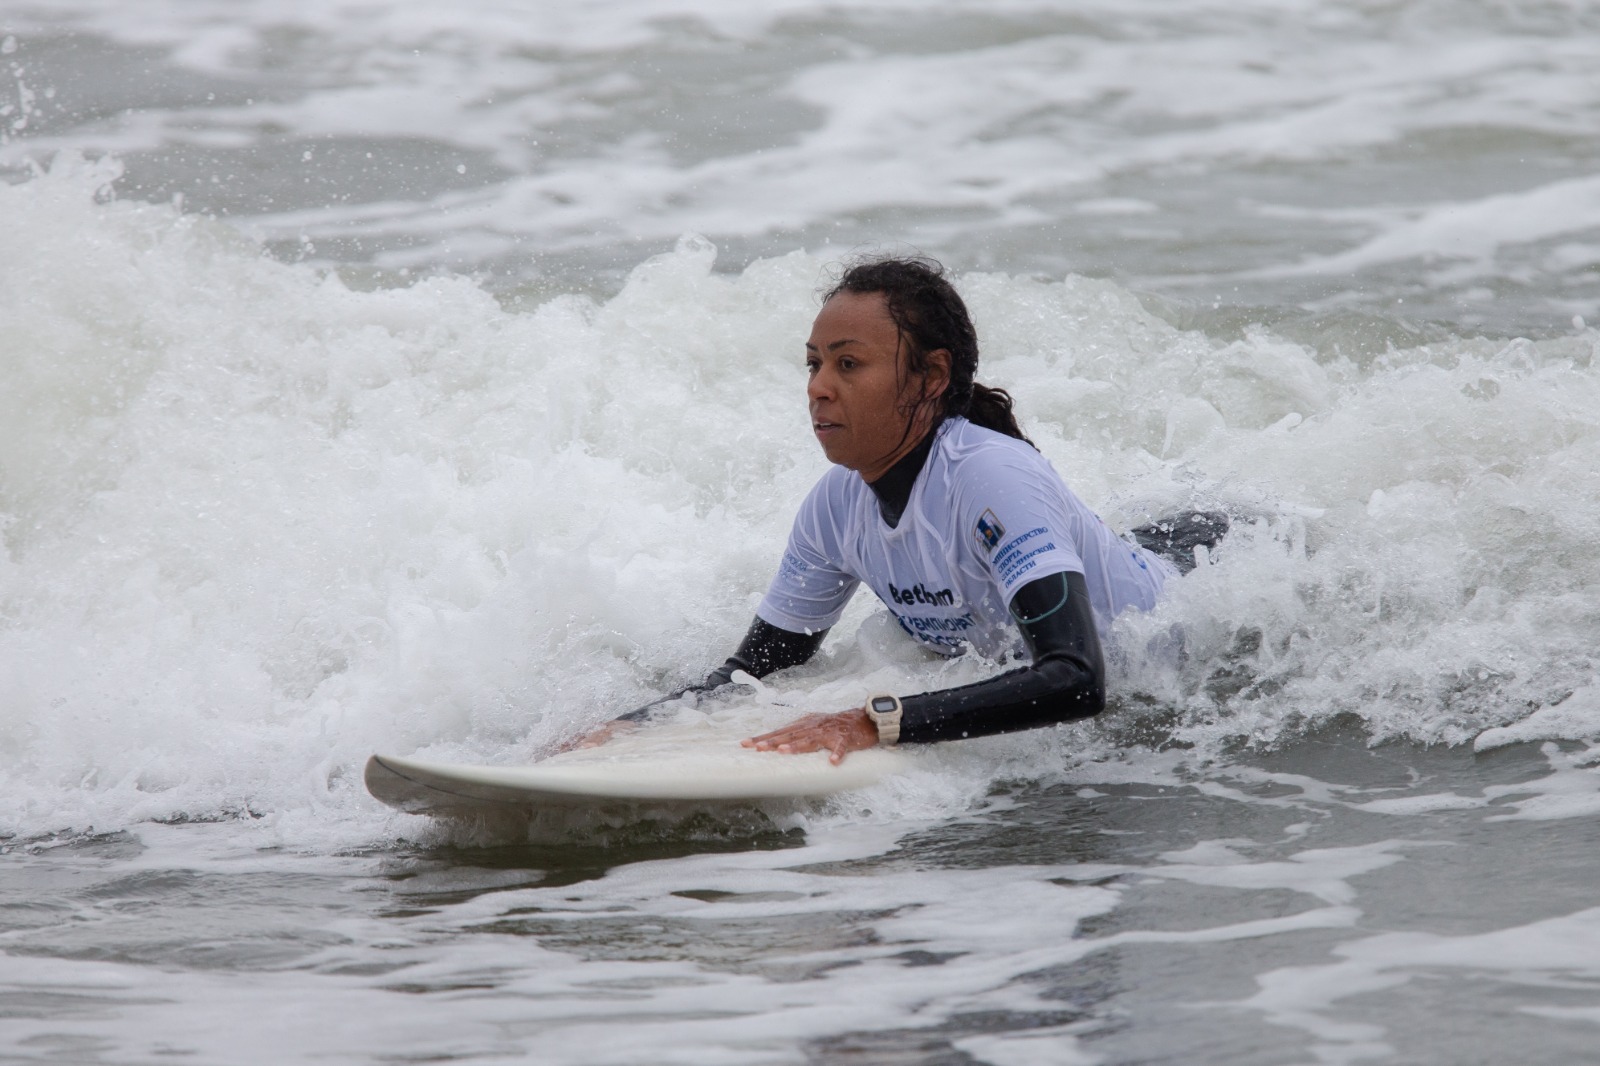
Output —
(940, 504)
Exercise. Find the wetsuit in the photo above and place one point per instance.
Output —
(971, 538)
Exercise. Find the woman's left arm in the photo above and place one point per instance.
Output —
(1066, 680)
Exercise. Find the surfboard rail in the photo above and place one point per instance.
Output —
(723, 774)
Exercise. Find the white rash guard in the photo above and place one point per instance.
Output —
(987, 515)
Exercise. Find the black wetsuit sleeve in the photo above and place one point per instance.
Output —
(765, 648)
(1066, 679)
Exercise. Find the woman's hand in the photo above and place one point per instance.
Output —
(837, 734)
(596, 737)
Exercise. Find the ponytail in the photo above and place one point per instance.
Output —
(991, 409)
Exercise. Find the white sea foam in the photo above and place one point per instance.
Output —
(654, 961)
(1523, 962)
(258, 520)
(259, 524)
(1357, 153)
(1575, 718)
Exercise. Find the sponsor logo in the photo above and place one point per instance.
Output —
(1018, 565)
(1022, 554)
(920, 593)
(948, 635)
(792, 567)
(989, 530)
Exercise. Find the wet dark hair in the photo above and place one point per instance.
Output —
(930, 315)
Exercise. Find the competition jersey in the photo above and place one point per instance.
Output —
(987, 515)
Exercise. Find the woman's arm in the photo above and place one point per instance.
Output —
(1066, 680)
(765, 649)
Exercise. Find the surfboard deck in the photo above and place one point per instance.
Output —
(634, 768)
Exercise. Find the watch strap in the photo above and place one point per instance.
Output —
(885, 713)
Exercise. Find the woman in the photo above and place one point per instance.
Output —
(940, 504)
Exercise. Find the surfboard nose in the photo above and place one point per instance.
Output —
(388, 785)
(407, 787)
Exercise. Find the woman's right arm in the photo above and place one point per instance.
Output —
(808, 587)
(766, 648)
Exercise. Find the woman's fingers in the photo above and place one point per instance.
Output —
(793, 741)
(596, 737)
(840, 746)
(790, 733)
(838, 734)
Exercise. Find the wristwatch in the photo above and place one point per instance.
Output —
(885, 714)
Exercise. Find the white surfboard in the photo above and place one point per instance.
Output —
(660, 764)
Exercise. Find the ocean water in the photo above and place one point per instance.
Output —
(427, 379)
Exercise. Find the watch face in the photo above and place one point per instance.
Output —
(883, 704)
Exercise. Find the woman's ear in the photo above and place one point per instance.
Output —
(937, 379)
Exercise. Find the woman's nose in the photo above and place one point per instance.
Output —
(821, 385)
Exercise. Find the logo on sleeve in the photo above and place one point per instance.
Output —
(989, 531)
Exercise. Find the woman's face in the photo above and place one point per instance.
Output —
(859, 395)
